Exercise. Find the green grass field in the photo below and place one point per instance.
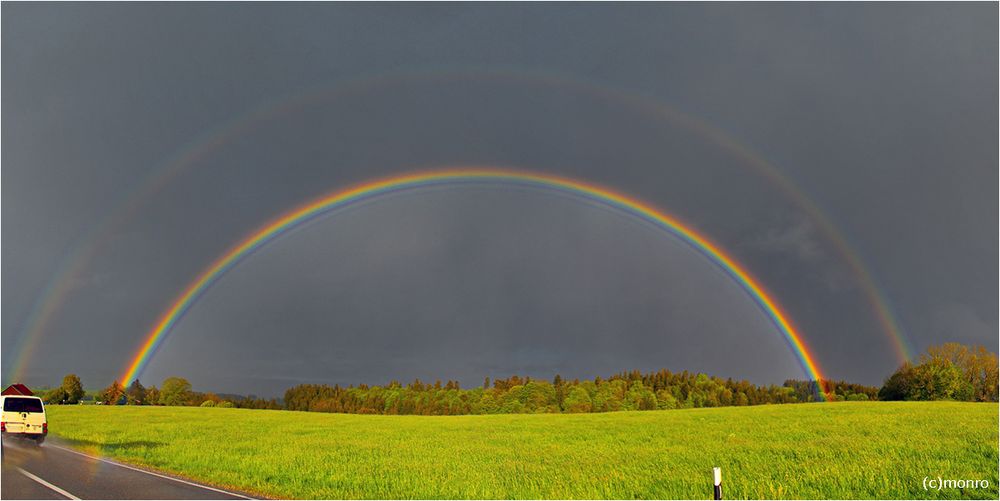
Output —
(837, 450)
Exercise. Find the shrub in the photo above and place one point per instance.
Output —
(208, 403)
(225, 404)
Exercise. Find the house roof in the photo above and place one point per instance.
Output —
(18, 389)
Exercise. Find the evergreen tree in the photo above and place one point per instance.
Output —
(135, 394)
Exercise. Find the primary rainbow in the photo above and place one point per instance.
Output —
(49, 303)
(339, 199)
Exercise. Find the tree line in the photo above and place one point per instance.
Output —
(947, 372)
(625, 391)
(175, 391)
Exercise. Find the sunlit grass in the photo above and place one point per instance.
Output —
(837, 450)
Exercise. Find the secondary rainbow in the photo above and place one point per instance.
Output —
(339, 199)
(49, 303)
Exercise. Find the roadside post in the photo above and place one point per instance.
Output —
(717, 480)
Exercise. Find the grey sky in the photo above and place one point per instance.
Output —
(884, 114)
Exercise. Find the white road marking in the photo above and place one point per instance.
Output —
(149, 472)
(46, 484)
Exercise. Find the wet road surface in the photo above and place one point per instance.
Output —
(53, 471)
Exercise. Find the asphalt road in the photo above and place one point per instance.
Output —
(53, 471)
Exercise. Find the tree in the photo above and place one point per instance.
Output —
(208, 403)
(741, 399)
(985, 376)
(136, 394)
(577, 401)
(560, 387)
(175, 391)
(897, 386)
(608, 396)
(937, 379)
(55, 396)
(225, 404)
(538, 396)
(112, 394)
(639, 397)
(977, 365)
(73, 388)
(152, 396)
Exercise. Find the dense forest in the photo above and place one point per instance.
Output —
(625, 391)
(947, 372)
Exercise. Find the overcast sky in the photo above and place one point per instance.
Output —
(885, 116)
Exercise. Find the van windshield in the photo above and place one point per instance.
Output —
(18, 404)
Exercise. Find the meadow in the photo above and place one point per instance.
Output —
(832, 450)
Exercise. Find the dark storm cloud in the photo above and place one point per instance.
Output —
(884, 114)
(467, 284)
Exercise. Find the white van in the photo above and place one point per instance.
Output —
(23, 417)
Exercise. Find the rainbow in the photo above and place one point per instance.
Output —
(339, 199)
(60, 286)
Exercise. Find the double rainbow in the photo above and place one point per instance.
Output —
(340, 199)
(48, 304)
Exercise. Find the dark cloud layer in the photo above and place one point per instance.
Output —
(885, 115)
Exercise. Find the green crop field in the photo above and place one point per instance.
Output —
(837, 450)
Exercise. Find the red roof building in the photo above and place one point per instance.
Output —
(18, 389)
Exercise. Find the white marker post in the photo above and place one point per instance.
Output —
(717, 477)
